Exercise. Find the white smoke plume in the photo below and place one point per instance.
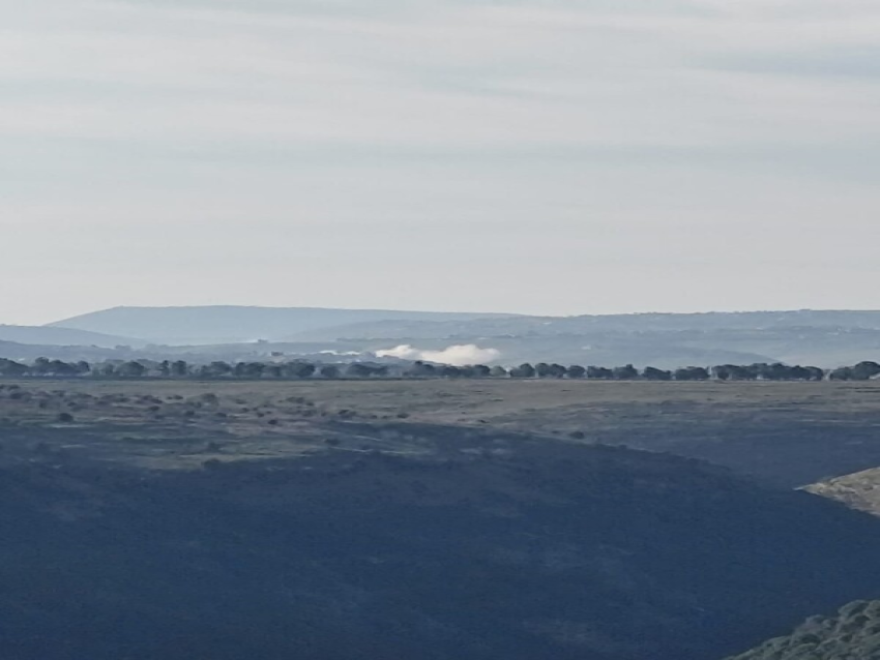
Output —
(458, 355)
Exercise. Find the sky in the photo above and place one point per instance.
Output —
(536, 156)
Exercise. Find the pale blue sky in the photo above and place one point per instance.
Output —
(564, 156)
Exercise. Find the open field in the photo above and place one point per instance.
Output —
(790, 433)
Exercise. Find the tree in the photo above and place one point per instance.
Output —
(480, 371)
(721, 372)
(798, 372)
(107, 369)
(249, 370)
(131, 369)
(841, 373)
(774, 371)
(450, 371)
(62, 368)
(525, 370)
(41, 367)
(733, 372)
(865, 371)
(627, 372)
(329, 371)
(498, 372)
(652, 373)
(179, 368)
(576, 371)
(299, 369)
(599, 373)
(692, 373)
(273, 371)
(474, 371)
(10, 368)
(815, 373)
(359, 370)
(421, 369)
(216, 370)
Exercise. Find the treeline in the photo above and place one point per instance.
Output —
(299, 369)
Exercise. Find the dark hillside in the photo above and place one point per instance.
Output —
(448, 545)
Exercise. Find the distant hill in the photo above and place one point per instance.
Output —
(223, 324)
(61, 336)
(822, 338)
(852, 634)
(807, 318)
(14, 351)
(28, 352)
(597, 324)
(663, 341)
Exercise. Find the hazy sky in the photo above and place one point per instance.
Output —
(556, 156)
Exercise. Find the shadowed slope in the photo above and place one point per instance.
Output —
(473, 547)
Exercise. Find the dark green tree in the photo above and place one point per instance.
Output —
(524, 370)
(652, 373)
(421, 369)
(599, 373)
(179, 369)
(12, 369)
(131, 369)
(299, 369)
(865, 370)
(627, 372)
(692, 373)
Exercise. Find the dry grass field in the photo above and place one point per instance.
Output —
(791, 433)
